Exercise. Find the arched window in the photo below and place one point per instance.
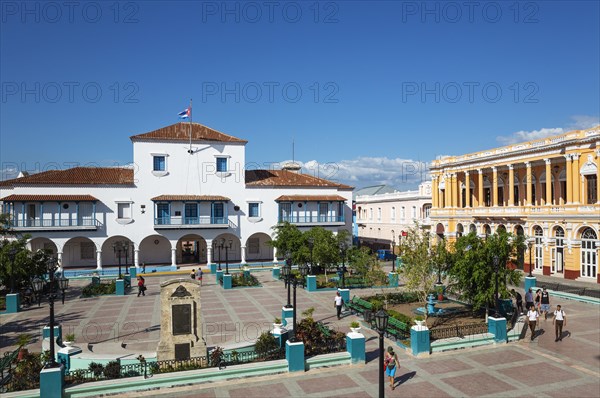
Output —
(589, 258)
(472, 228)
(538, 232)
(459, 230)
(487, 230)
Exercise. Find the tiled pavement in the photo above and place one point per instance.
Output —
(129, 325)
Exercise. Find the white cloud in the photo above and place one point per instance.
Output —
(364, 171)
(579, 122)
(521, 136)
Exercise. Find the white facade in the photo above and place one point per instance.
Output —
(382, 218)
(173, 209)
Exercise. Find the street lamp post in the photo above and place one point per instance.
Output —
(51, 285)
(496, 262)
(394, 253)
(227, 247)
(530, 246)
(12, 254)
(342, 271)
(220, 246)
(294, 280)
(311, 245)
(381, 322)
(118, 248)
(287, 271)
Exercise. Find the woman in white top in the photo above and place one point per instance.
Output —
(532, 316)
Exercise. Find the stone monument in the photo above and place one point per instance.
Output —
(180, 321)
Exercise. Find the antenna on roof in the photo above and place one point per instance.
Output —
(292, 166)
(293, 158)
(190, 151)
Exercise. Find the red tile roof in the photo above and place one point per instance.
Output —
(285, 178)
(191, 198)
(310, 198)
(181, 132)
(76, 176)
(49, 198)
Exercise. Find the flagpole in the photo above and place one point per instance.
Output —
(190, 151)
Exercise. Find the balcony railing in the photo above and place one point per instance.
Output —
(516, 210)
(62, 224)
(309, 219)
(191, 222)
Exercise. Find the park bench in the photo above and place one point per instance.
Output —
(326, 332)
(358, 305)
(397, 328)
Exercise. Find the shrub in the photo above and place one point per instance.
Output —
(399, 316)
(265, 344)
(354, 324)
(240, 280)
(216, 356)
(99, 289)
(112, 370)
(96, 368)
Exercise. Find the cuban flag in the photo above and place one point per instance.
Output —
(185, 114)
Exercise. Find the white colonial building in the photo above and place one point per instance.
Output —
(381, 218)
(177, 204)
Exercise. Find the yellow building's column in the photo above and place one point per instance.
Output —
(454, 190)
(434, 188)
(598, 174)
(480, 187)
(569, 173)
(511, 185)
(528, 180)
(548, 182)
(494, 186)
(447, 189)
(468, 189)
(576, 178)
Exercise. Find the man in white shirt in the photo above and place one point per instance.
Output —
(559, 320)
(532, 316)
(337, 303)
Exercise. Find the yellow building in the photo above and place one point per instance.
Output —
(546, 189)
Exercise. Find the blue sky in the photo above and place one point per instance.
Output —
(365, 89)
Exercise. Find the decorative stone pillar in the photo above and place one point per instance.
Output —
(434, 192)
(59, 260)
(467, 190)
(174, 258)
(243, 252)
(529, 181)
(136, 258)
(99, 260)
(494, 186)
(569, 174)
(275, 255)
(454, 180)
(548, 182)
(497, 326)
(511, 185)
(294, 353)
(355, 345)
(576, 178)
(419, 340)
(480, 187)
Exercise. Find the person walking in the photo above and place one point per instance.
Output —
(528, 299)
(545, 303)
(338, 302)
(141, 285)
(193, 274)
(519, 300)
(532, 316)
(538, 299)
(199, 275)
(559, 320)
(391, 363)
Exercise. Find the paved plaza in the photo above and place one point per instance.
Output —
(128, 326)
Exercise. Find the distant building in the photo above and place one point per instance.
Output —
(381, 217)
(545, 189)
(179, 204)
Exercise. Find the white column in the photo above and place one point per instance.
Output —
(275, 255)
(59, 261)
(209, 250)
(174, 257)
(243, 250)
(99, 260)
(136, 258)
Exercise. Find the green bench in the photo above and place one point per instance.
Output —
(397, 328)
(5, 365)
(358, 305)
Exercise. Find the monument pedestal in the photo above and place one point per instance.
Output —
(181, 321)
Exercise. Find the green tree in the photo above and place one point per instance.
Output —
(472, 273)
(419, 267)
(289, 239)
(18, 265)
(365, 265)
(5, 225)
